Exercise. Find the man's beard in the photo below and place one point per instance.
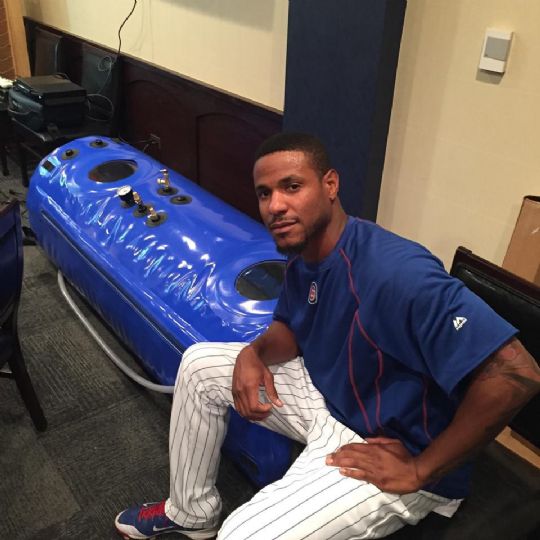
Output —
(298, 248)
(295, 249)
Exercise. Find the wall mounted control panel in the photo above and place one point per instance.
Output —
(495, 50)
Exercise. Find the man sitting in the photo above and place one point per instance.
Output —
(391, 372)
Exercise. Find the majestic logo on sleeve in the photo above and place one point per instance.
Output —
(312, 297)
(459, 322)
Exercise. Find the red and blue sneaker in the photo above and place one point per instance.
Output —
(149, 520)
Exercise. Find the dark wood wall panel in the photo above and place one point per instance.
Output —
(205, 134)
(44, 51)
(222, 141)
(208, 136)
(152, 106)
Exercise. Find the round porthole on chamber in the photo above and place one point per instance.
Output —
(261, 281)
(112, 171)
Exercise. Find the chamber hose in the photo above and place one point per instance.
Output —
(108, 351)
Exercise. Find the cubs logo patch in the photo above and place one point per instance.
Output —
(312, 297)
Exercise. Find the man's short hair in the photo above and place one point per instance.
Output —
(301, 142)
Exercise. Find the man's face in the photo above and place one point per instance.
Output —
(294, 201)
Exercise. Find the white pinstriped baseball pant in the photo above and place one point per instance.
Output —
(312, 501)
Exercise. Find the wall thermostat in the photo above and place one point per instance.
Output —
(495, 50)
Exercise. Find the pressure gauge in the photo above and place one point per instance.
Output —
(125, 193)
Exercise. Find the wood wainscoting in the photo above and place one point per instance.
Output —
(204, 133)
(207, 135)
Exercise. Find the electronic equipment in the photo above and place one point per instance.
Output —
(47, 102)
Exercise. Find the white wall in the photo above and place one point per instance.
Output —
(463, 149)
(235, 45)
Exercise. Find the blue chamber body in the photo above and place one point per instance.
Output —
(203, 272)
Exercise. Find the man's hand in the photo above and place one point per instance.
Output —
(498, 388)
(384, 462)
(250, 373)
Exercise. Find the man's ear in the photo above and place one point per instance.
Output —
(331, 184)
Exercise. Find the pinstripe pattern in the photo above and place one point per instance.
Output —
(312, 501)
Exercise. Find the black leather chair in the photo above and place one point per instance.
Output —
(516, 300)
(12, 363)
(505, 492)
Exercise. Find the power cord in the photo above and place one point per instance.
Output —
(147, 142)
(107, 63)
(89, 104)
(113, 63)
(122, 26)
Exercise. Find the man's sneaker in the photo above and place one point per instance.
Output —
(149, 520)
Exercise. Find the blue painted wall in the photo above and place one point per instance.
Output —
(341, 64)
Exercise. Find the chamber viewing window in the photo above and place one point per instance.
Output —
(112, 171)
(48, 166)
(261, 281)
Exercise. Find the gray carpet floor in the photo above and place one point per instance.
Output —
(106, 444)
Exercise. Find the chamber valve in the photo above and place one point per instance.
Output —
(142, 209)
(155, 218)
(164, 184)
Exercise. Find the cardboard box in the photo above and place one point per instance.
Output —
(523, 255)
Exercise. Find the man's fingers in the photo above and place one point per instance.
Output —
(358, 474)
(382, 440)
(347, 459)
(247, 399)
(247, 405)
(350, 455)
(255, 404)
(239, 404)
(271, 391)
(360, 448)
(351, 446)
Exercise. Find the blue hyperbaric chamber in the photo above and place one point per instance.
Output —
(164, 262)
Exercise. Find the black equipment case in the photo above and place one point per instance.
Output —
(47, 101)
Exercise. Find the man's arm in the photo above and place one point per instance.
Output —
(275, 346)
(499, 388)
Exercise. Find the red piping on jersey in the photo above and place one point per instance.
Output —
(379, 372)
(380, 358)
(424, 410)
(289, 262)
(351, 378)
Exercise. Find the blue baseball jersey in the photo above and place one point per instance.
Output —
(388, 337)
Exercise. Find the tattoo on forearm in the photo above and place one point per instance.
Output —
(531, 385)
(515, 364)
(514, 378)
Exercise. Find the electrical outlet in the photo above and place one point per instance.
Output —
(155, 140)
